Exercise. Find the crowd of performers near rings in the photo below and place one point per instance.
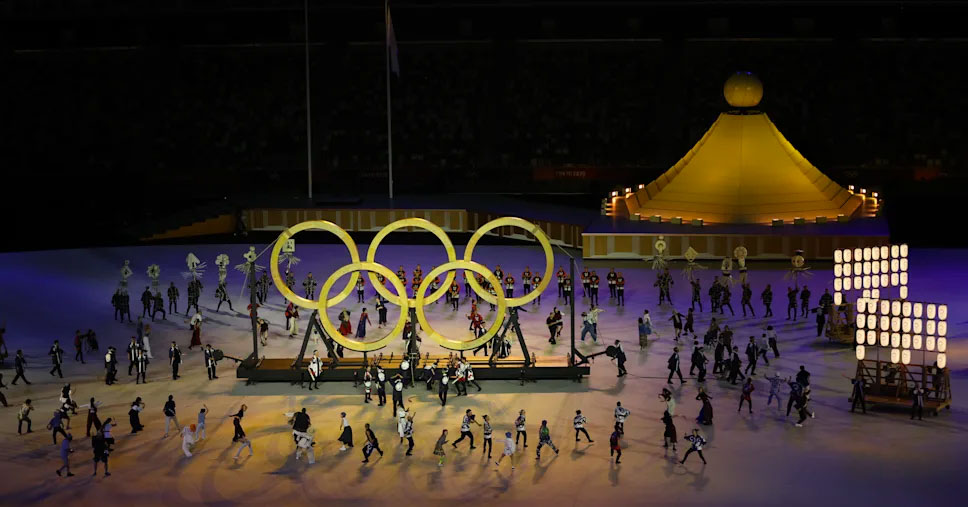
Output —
(728, 366)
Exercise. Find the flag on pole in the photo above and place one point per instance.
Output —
(392, 43)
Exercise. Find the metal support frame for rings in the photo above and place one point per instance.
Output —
(419, 300)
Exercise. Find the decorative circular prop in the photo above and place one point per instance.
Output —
(443, 340)
(324, 304)
(285, 243)
(545, 246)
(321, 225)
(419, 223)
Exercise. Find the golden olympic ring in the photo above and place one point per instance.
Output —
(428, 226)
(322, 225)
(419, 301)
(324, 305)
(443, 340)
(545, 245)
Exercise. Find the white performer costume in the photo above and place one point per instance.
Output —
(304, 445)
(188, 440)
(146, 344)
(314, 367)
(401, 421)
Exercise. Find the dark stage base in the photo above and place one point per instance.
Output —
(509, 368)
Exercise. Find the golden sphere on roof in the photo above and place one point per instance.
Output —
(743, 89)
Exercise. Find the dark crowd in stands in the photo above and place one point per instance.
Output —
(480, 115)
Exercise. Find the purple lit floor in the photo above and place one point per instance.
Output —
(762, 459)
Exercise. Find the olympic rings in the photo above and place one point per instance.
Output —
(302, 226)
(324, 305)
(545, 245)
(443, 340)
(419, 301)
(428, 226)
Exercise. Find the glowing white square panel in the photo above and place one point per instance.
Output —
(918, 310)
(943, 312)
(906, 309)
(875, 253)
(885, 339)
(871, 337)
(904, 250)
(932, 309)
(929, 327)
(895, 340)
(906, 356)
(942, 328)
(929, 343)
(905, 341)
(895, 355)
(858, 254)
(884, 250)
(942, 344)
(942, 360)
(867, 253)
(838, 256)
(904, 264)
(860, 352)
(916, 342)
(895, 251)
(847, 255)
(860, 336)
(885, 266)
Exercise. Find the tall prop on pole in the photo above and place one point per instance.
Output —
(309, 116)
(391, 64)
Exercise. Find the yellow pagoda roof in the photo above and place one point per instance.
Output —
(743, 171)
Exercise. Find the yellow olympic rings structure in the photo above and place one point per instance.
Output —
(428, 226)
(419, 301)
(545, 246)
(322, 225)
(324, 305)
(443, 340)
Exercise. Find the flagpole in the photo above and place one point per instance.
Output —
(386, 51)
(309, 116)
